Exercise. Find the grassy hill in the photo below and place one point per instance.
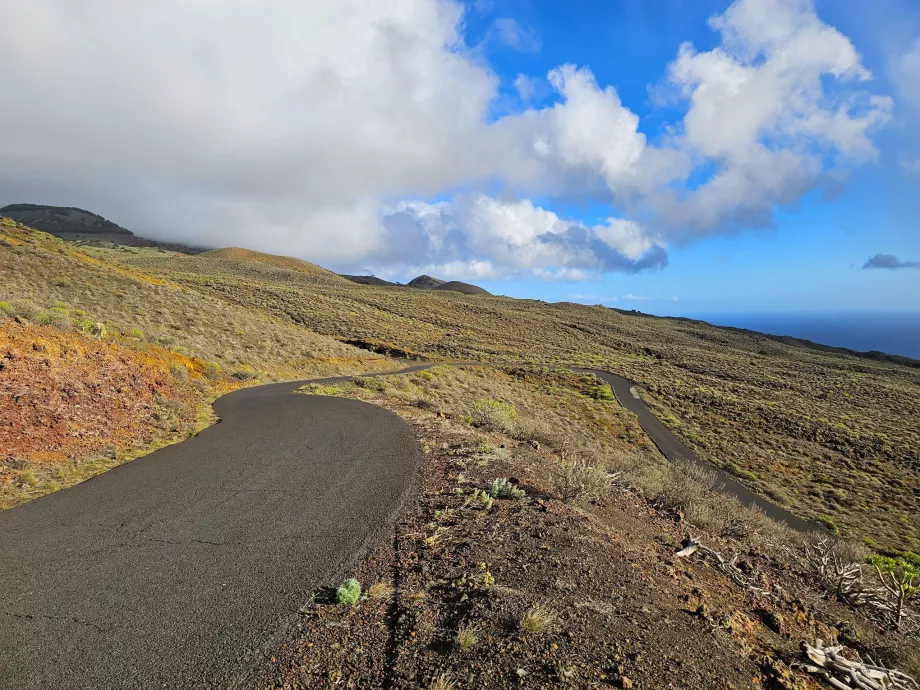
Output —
(107, 352)
(821, 430)
(69, 317)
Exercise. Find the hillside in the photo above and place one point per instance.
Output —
(425, 282)
(83, 227)
(465, 288)
(108, 352)
(370, 280)
(183, 345)
(784, 416)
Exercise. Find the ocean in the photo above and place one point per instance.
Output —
(895, 333)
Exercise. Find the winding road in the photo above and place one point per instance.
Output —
(182, 568)
(177, 569)
(675, 450)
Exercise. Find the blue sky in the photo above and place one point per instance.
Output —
(811, 260)
(674, 156)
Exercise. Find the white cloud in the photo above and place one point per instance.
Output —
(479, 236)
(275, 125)
(904, 71)
(513, 35)
(613, 299)
(909, 165)
(297, 126)
(765, 109)
(527, 87)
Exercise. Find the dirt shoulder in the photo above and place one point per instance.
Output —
(538, 591)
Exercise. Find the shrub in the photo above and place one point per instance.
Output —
(371, 383)
(829, 524)
(348, 593)
(90, 327)
(537, 432)
(466, 638)
(493, 414)
(577, 476)
(601, 392)
(179, 372)
(244, 374)
(212, 370)
(502, 487)
(23, 308)
(137, 333)
(686, 486)
(901, 579)
(537, 619)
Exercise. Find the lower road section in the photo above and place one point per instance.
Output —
(675, 450)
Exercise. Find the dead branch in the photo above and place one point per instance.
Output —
(844, 674)
(692, 546)
(847, 581)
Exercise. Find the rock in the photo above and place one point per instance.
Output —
(626, 682)
(773, 620)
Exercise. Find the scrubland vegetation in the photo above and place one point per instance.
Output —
(831, 435)
(547, 549)
(543, 547)
(101, 363)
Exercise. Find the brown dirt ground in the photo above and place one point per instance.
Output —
(628, 613)
(65, 395)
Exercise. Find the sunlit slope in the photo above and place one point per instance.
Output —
(820, 430)
(49, 276)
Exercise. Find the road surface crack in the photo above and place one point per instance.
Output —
(72, 619)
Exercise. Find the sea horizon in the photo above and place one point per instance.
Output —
(893, 332)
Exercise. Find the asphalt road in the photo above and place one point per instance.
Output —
(178, 569)
(674, 449)
(182, 568)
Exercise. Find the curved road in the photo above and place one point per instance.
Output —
(177, 569)
(675, 450)
(180, 569)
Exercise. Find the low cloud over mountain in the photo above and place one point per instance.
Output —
(342, 131)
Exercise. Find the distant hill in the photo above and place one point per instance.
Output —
(238, 254)
(465, 288)
(83, 227)
(425, 282)
(371, 280)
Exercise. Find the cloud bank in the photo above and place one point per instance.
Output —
(341, 132)
(889, 261)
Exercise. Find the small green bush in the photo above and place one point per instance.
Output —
(829, 524)
(601, 392)
(493, 414)
(348, 593)
(502, 487)
(137, 333)
(213, 370)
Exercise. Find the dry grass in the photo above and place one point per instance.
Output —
(49, 281)
(466, 637)
(380, 591)
(781, 415)
(442, 682)
(537, 619)
(579, 476)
